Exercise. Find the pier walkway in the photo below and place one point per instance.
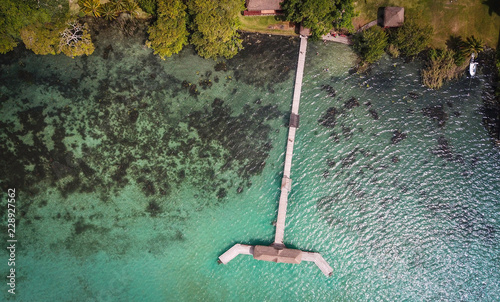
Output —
(277, 252)
(286, 182)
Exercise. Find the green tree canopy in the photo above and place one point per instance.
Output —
(42, 39)
(15, 15)
(26, 19)
(320, 15)
(412, 38)
(215, 24)
(370, 44)
(169, 33)
(75, 40)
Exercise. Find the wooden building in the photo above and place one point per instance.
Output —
(263, 7)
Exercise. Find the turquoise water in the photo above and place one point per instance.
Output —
(132, 181)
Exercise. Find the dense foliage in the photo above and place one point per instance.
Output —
(42, 39)
(370, 44)
(149, 6)
(15, 15)
(169, 33)
(43, 28)
(75, 40)
(412, 38)
(320, 15)
(110, 10)
(440, 67)
(215, 25)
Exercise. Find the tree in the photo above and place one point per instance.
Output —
(92, 8)
(15, 15)
(42, 39)
(320, 15)
(215, 25)
(472, 45)
(131, 7)
(109, 12)
(169, 33)
(344, 14)
(370, 44)
(412, 38)
(75, 40)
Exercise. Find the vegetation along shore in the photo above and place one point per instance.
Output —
(444, 34)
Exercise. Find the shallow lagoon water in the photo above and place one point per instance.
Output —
(132, 182)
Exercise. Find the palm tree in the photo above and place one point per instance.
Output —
(119, 5)
(109, 12)
(131, 7)
(472, 45)
(92, 8)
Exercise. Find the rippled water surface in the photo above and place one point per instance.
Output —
(134, 174)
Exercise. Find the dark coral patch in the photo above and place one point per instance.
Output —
(374, 114)
(398, 136)
(329, 118)
(351, 103)
(437, 114)
(329, 89)
(153, 209)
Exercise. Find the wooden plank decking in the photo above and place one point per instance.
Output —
(236, 250)
(319, 261)
(285, 189)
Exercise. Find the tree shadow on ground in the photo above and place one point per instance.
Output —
(454, 42)
(493, 6)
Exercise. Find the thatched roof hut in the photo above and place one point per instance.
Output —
(394, 16)
(269, 253)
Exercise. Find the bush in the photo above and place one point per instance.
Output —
(393, 51)
(149, 6)
(412, 38)
(440, 66)
(370, 44)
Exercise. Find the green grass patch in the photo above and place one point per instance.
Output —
(461, 17)
(266, 24)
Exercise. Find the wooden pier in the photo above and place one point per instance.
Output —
(277, 252)
(286, 182)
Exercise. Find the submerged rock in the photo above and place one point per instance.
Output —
(436, 113)
(397, 137)
(106, 52)
(153, 209)
(221, 193)
(413, 95)
(351, 103)
(330, 162)
(374, 114)
(329, 89)
(443, 150)
(329, 118)
(221, 66)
